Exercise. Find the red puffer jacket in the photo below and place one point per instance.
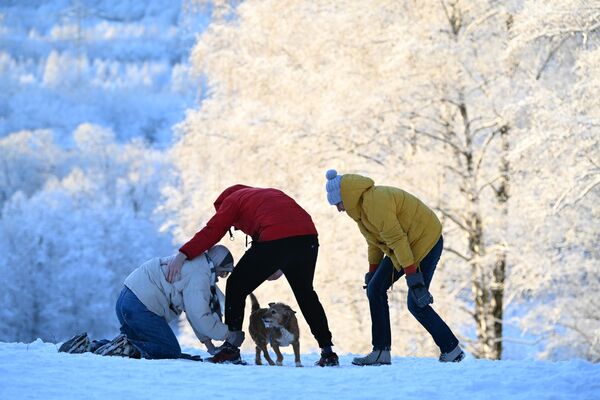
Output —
(264, 214)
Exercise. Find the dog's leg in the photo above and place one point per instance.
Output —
(267, 356)
(257, 359)
(278, 352)
(296, 347)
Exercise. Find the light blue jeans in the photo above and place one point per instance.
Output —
(147, 331)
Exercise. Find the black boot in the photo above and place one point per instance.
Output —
(329, 359)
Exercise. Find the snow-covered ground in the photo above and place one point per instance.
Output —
(38, 371)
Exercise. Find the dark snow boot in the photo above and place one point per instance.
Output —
(328, 360)
(96, 344)
(456, 355)
(227, 354)
(119, 346)
(77, 344)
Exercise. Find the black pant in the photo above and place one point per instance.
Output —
(296, 257)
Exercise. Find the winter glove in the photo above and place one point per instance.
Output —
(210, 347)
(417, 289)
(368, 277)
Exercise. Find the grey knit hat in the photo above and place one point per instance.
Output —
(221, 258)
(333, 187)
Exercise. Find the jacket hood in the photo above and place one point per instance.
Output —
(226, 194)
(352, 188)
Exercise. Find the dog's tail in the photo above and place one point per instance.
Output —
(255, 305)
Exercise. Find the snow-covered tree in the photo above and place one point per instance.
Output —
(70, 243)
(434, 97)
(27, 160)
(293, 90)
(559, 175)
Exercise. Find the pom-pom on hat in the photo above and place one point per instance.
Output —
(333, 187)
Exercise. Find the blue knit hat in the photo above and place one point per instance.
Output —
(333, 187)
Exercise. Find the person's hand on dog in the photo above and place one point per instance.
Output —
(174, 267)
(276, 275)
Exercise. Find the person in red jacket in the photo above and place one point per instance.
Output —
(284, 241)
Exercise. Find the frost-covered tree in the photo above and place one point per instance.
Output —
(430, 96)
(70, 243)
(124, 66)
(288, 98)
(559, 175)
(27, 160)
(454, 113)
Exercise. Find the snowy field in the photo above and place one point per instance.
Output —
(38, 371)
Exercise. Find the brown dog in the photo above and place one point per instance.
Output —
(276, 325)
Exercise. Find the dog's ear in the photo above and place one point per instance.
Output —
(289, 309)
(271, 304)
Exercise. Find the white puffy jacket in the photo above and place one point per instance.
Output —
(191, 293)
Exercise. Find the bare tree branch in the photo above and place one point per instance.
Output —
(549, 57)
(440, 139)
(457, 253)
(455, 220)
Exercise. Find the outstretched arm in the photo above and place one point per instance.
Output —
(204, 239)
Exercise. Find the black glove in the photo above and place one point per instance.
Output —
(368, 277)
(417, 289)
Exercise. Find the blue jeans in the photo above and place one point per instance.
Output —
(427, 317)
(147, 331)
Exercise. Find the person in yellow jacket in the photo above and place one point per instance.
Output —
(404, 237)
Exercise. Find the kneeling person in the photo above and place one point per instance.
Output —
(148, 302)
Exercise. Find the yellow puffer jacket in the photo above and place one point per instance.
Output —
(393, 222)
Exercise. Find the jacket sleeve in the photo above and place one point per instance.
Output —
(386, 220)
(374, 253)
(196, 303)
(214, 230)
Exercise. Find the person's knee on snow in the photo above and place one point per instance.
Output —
(173, 351)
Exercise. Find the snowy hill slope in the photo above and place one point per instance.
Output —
(37, 371)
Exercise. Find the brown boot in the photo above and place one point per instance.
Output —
(228, 354)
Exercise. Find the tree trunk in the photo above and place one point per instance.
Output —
(487, 283)
(497, 288)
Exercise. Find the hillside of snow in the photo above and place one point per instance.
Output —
(37, 370)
